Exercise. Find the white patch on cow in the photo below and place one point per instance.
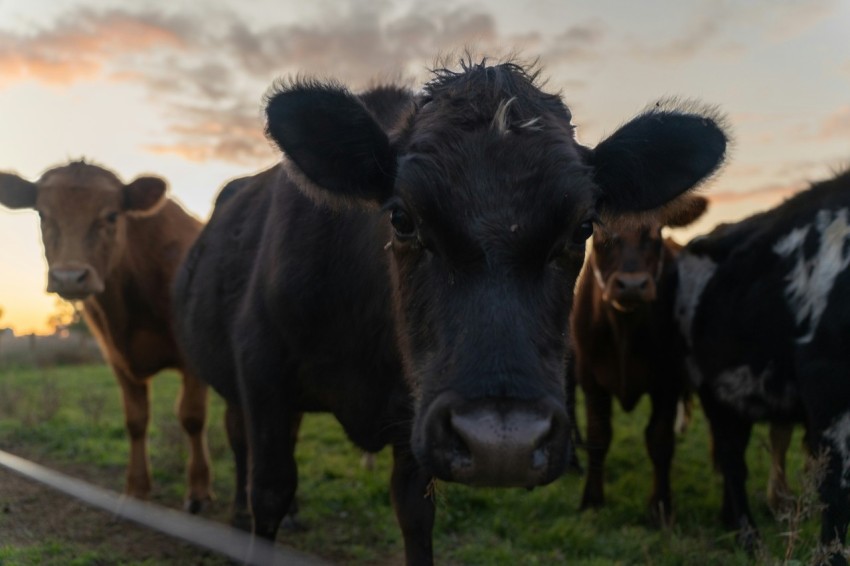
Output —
(810, 281)
(748, 392)
(838, 434)
(694, 274)
(738, 385)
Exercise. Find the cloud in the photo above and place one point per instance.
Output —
(208, 73)
(719, 23)
(80, 45)
(576, 43)
(772, 192)
(233, 134)
(791, 18)
(836, 125)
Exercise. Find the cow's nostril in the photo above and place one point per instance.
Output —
(83, 275)
(620, 284)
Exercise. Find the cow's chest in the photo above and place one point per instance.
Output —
(624, 366)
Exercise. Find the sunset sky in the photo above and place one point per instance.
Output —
(175, 87)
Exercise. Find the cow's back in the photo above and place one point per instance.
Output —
(211, 281)
(311, 278)
(772, 287)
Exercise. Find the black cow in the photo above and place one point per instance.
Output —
(763, 308)
(409, 268)
(622, 341)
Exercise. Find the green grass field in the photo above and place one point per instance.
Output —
(70, 418)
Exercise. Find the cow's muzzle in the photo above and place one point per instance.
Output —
(493, 441)
(73, 282)
(627, 291)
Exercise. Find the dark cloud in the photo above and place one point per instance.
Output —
(209, 74)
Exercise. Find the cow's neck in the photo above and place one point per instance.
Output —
(139, 273)
(627, 331)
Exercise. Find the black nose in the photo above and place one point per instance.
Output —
(73, 283)
(495, 442)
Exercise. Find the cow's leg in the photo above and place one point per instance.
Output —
(414, 506)
(660, 444)
(192, 412)
(731, 434)
(291, 522)
(238, 440)
(778, 493)
(684, 413)
(273, 472)
(598, 407)
(234, 424)
(833, 441)
(136, 398)
(835, 495)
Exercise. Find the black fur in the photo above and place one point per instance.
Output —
(744, 318)
(291, 300)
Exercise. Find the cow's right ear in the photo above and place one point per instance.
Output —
(683, 211)
(16, 192)
(338, 152)
(144, 196)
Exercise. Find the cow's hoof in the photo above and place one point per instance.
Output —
(292, 524)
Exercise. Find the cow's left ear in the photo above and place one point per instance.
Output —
(144, 196)
(16, 192)
(657, 156)
(338, 152)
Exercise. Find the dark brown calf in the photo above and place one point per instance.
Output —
(619, 335)
(115, 248)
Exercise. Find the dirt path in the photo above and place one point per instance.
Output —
(31, 514)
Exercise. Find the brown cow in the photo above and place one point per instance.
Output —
(116, 247)
(619, 336)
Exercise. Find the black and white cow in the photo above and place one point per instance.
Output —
(764, 312)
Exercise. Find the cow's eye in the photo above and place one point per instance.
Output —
(583, 232)
(402, 223)
(111, 218)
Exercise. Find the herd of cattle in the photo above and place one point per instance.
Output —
(414, 266)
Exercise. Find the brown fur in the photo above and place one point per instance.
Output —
(129, 260)
(621, 342)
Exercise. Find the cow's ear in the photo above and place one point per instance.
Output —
(338, 153)
(16, 192)
(657, 156)
(683, 211)
(144, 196)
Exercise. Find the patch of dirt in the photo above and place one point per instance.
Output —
(31, 514)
